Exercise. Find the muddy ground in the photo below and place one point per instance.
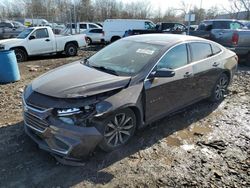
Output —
(207, 145)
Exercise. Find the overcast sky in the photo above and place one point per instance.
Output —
(206, 4)
(164, 4)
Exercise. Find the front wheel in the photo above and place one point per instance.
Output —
(118, 129)
(220, 88)
(21, 55)
(71, 49)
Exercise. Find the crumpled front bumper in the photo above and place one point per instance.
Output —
(65, 142)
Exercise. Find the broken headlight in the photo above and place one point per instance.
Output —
(76, 116)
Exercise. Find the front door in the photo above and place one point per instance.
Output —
(166, 95)
(40, 43)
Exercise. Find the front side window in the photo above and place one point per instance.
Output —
(149, 25)
(41, 33)
(235, 25)
(92, 26)
(200, 51)
(175, 58)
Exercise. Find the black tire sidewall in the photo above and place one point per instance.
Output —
(90, 41)
(68, 47)
(103, 144)
(22, 53)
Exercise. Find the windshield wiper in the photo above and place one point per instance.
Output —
(104, 69)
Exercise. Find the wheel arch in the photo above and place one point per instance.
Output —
(115, 38)
(20, 47)
(71, 42)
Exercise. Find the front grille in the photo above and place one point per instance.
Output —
(35, 122)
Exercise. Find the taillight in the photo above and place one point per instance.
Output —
(235, 38)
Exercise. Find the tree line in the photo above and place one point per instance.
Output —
(99, 10)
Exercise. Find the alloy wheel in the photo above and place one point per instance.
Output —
(119, 130)
(221, 87)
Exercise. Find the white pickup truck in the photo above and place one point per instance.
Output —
(41, 40)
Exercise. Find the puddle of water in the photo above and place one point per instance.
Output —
(173, 141)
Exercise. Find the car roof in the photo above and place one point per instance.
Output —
(163, 39)
(220, 20)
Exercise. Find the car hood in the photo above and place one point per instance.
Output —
(10, 41)
(77, 80)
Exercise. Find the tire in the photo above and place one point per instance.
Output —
(71, 50)
(88, 41)
(220, 88)
(118, 129)
(247, 63)
(21, 55)
(113, 39)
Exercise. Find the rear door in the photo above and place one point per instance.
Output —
(165, 95)
(206, 62)
(95, 35)
(41, 43)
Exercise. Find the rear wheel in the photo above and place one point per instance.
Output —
(21, 55)
(118, 129)
(247, 63)
(88, 41)
(115, 38)
(71, 49)
(220, 88)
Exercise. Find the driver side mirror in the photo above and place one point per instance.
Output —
(162, 73)
(32, 37)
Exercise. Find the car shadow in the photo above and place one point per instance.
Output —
(24, 165)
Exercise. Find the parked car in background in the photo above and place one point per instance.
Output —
(79, 27)
(206, 27)
(164, 27)
(10, 29)
(103, 100)
(114, 29)
(41, 40)
(94, 36)
(33, 22)
(246, 23)
(230, 33)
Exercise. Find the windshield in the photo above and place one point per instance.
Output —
(25, 33)
(124, 57)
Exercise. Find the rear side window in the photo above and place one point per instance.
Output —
(221, 25)
(95, 31)
(216, 49)
(175, 58)
(200, 51)
(83, 26)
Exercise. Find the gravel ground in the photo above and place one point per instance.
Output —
(207, 145)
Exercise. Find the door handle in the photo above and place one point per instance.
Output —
(187, 74)
(47, 40)
(216, 64)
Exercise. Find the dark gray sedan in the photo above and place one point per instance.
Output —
(101, 101)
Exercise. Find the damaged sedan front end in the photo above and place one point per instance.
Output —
(103, 100)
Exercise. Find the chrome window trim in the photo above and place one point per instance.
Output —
(190, 63)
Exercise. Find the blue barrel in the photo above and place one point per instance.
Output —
(9, 71)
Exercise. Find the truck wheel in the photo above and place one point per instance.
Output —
(88, 41)
(247, 63)
(71, 49)
(115, 38)
(21, 55)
